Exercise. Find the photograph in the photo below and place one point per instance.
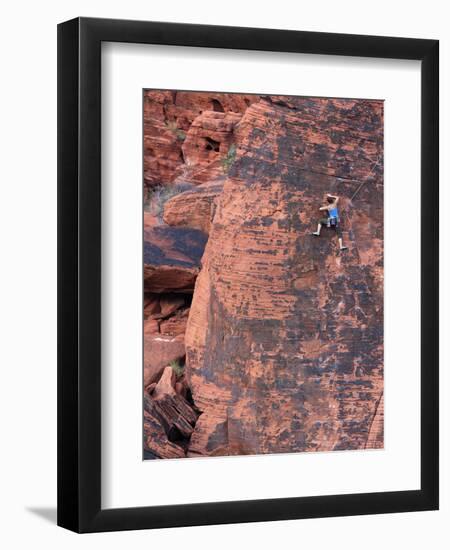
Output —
(263, 274)
(225, 284)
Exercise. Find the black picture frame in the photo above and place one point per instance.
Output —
(79, 274)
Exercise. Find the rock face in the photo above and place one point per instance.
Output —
(281, 332)
(285, 335)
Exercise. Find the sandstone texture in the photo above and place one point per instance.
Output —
(280, 334)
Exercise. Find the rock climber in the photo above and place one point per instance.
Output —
(332, 219)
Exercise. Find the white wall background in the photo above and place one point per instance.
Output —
(28, 271)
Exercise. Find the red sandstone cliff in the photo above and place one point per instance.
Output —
(283, 334)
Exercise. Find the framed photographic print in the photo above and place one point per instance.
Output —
(248, 275)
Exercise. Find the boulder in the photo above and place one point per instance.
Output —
(193, 208)
(169, 418)
(172, 258)
(156, 441)
(166, 384)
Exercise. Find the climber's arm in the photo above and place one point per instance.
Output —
(322, 208)
(335, 197)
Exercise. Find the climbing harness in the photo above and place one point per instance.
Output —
(333, 217)
(333, 221)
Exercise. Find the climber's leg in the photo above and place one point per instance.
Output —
(323, 221)
(341, 246)
(339, 235)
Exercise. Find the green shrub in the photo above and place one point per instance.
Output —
(172, 127)
(230, 157)
(156, 197)
(181, 135)
(177, 368)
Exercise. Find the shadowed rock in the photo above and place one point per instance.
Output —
(168, 418)
(172, 258)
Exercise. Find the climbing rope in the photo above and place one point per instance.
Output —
(365, 180)
(344, 210)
